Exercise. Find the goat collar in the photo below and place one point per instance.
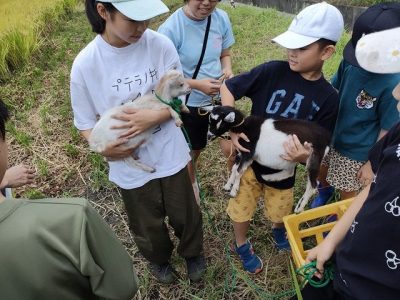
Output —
(239, 123)
(175, 103)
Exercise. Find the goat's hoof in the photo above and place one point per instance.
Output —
(227, 187)
(233, 193)
(178, 123)
(185, 110)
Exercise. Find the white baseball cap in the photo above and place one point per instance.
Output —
(139, 10)
(317, 21)
(379, 52)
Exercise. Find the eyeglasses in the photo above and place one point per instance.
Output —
(211, 1)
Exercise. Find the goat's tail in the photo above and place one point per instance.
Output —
(313, 165)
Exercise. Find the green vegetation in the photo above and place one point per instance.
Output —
(357, 2)
(22, 27)
(41, 134)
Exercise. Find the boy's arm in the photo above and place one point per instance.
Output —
(227, 99)
(324, 251)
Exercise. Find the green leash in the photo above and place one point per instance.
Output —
(307, 271)
(175, 103)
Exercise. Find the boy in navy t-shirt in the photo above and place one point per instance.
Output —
(293, 89)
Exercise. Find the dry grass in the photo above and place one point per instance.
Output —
(41, 134)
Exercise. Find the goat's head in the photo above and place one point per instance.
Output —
(172, 85)
(223, 118)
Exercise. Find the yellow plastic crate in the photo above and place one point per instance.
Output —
(296, 235)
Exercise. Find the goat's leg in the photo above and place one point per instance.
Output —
(279, 175)
(314, 164)
(175, 116)
(305, 198)
(184, 108)
(240, 171)
(231, 180)
(134, 163)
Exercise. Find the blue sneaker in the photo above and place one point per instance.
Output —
(251, 262)
(281, 242)
(324, 194)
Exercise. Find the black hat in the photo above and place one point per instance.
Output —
(376, 18)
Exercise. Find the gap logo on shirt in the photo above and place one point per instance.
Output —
(292, 110)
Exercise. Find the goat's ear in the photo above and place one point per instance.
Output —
(213, 116)
(230, 118)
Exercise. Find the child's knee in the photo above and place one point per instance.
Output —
(278, 203)
(240, 210)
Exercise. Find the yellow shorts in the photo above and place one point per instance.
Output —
(277, 203)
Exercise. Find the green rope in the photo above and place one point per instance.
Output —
(307, 271)
(175, 103)
(295, 282)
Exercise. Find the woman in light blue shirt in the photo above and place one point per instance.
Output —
(186, 28)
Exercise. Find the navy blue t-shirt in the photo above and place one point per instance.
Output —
(368, 258)
(279, 93)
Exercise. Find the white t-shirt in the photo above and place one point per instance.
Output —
(104, 76)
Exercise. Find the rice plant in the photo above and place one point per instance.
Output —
(22, 26)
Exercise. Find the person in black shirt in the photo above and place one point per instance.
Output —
(366, 239)
(292, 89)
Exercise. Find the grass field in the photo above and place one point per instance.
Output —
(357, 2)
(41, 134)
(23, 24)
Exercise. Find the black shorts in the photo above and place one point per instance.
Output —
(196, 126)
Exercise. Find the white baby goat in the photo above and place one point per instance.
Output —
(170, 86)
(266, 146)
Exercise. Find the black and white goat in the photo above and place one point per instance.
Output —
(266, 146)
(170, 86)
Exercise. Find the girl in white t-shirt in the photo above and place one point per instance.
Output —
(124, 61)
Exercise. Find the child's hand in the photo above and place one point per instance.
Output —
(119, 150)
(235, 141)
(136, 121)
(208, 86)
(227, 74)
(295, 151)
(18, 176)
(321, 253)
(365, 174)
